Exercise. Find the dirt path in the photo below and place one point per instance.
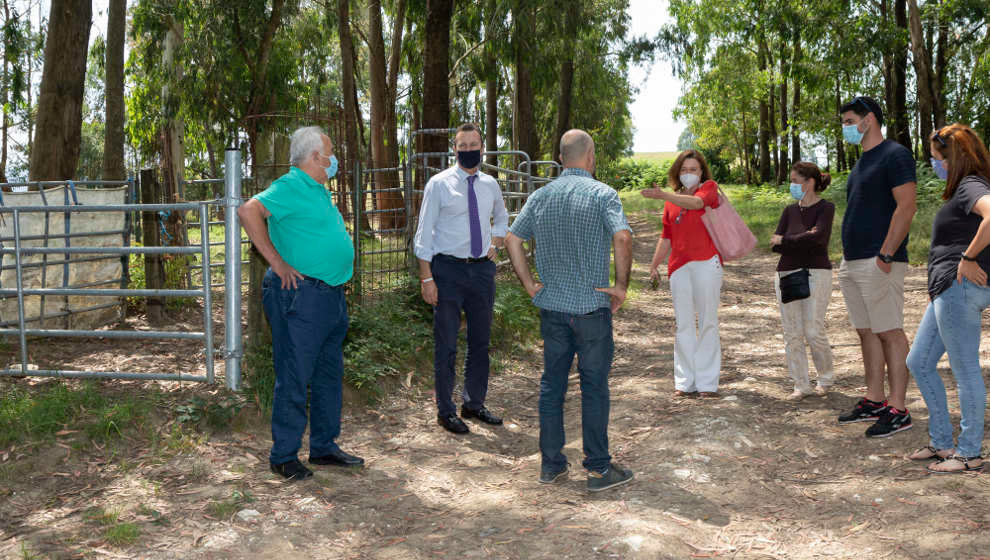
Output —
(747, 476)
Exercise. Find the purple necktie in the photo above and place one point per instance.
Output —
(475, 220)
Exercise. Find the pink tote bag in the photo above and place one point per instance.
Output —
(731, 236)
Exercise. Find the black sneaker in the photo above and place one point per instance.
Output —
(864, 411)
(614, 476)
(293, 470)
(549, 477)
(891, 421)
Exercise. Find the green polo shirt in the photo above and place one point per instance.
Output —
(307, 229)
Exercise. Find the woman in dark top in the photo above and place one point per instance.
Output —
(802, 240)
(958, 263)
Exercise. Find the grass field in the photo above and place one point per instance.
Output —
(654, 157)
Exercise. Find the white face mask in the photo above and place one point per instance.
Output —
(689, 180)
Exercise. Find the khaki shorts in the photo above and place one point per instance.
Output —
(874, 299)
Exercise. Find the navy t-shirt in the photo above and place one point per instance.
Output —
(870, 201)
(953, 230)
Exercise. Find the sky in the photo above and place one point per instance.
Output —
(653, 108)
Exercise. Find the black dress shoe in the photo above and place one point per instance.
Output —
(338, 458)
(453, 424)
(482, 414)
(293, 470)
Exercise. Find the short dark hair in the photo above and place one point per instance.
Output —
(470, 127)
(863, 106)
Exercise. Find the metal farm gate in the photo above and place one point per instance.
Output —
(60, 245)
(388, 200)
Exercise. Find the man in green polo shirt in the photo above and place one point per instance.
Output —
(296, 227)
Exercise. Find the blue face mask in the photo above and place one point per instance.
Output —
(797, 191)
(332, 170)
(940, 171)
(852, 134)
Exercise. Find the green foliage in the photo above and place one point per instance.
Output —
(634, 173)
(101, 516)
(115, 532)
(122, 534)
(375, 347)
(36, 414)
(515, 321)
(214, 413)
(734, 55)
(259, 375)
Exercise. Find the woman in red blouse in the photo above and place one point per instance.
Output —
(695, 271)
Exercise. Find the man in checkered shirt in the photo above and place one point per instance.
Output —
(575, 222)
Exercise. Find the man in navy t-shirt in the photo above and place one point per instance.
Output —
(880, 199)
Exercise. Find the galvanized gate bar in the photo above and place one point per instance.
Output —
(20, 290)
(62, 333)
(207, 292)
(232, 294)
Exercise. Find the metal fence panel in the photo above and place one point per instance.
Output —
(232, 245)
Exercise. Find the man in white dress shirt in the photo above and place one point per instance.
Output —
(456, 245)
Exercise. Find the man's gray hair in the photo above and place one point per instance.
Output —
(574, 144)
(305, 141)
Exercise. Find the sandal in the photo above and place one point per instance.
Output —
(708, 394)
(685, 394)
(933, 454)
(964, 460)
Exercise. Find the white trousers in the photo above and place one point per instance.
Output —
(804, 326)
(695, 288)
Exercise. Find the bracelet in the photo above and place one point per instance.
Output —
(965, 258)
(425, 280)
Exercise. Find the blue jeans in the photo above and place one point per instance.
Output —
(469, 287)
(952, 324)
(590, 337)
(308, 329)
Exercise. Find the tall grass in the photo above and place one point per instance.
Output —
(40, 412)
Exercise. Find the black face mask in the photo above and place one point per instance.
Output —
(469, 159)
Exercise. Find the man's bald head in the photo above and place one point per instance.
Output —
(576, 146)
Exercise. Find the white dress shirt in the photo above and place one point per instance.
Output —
(444, 225)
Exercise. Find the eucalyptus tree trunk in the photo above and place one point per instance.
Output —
(113, 142)
(925, 76)
(436, 66)
(524, 126)
(764, 118)
(566, 78)
(58, 135)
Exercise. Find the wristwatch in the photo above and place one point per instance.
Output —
(885, 258)
(965, 258)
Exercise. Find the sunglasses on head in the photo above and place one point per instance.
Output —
(938, 138)
(863, 102)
